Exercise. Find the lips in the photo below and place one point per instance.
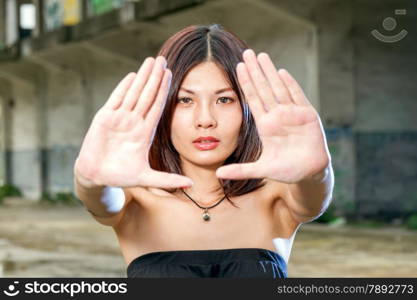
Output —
(206, 143)
(205, 139)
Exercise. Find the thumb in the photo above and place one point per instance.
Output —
(238, 171)
(159, 179)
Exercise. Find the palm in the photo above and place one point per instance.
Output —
(292, 137)
(115, 149)
(287, 135)
(116, 139)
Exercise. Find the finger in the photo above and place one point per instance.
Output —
(154, 114)
(259, 80)
(120, 91)
(296, 91)
(151, 88)
(159, 179)
(278, 87)
(248, 89)
(135, 90)
(239, 171)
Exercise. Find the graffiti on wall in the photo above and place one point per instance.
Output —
(98, 7)
(53, 14)
(69, 12)
(72, 12)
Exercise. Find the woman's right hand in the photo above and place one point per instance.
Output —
(116, 147)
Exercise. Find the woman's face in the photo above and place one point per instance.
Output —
(206, 106)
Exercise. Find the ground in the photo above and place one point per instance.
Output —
(47, 241)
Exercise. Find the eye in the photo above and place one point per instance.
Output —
(187, 100)
(226, 98)
(183, 98)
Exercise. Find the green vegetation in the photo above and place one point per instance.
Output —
(368, 223)
(411, 222)
(9, 190)
(328, 216)
(60, 198)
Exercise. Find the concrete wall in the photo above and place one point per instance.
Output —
(385, 122)
(385, 72)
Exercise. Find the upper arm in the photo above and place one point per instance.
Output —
(113, 220)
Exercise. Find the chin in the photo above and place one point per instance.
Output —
(208, 159)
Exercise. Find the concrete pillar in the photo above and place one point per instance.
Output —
(2, 24)
(22, 162)
(3, 122)
(39, 29)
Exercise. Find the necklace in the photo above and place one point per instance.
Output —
(206, 215)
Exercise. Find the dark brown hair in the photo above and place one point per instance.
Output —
(183, 51)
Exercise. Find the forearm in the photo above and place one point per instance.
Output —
(100, 201)
(312, 196)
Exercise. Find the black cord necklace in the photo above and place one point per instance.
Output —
(206, 216)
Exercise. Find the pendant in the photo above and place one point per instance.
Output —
(206, 216)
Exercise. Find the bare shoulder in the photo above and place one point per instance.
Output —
(276, 193)
(139, 199)
(144, 196)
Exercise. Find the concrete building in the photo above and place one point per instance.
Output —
(356, 61)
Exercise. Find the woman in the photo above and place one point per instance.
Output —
(160, 157)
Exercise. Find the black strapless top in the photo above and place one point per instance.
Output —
(225, 263)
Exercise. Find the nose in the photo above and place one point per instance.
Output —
(204, 117)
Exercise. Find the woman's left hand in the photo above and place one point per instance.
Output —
(293, 139)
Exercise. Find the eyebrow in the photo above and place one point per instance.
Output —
(216, 92)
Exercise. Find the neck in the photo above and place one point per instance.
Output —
(207, 187)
